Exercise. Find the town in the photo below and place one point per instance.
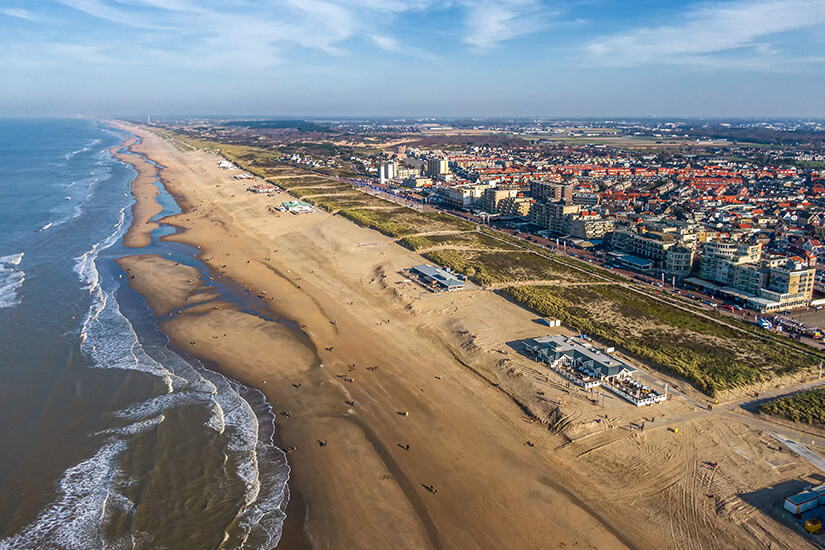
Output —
(739, 224)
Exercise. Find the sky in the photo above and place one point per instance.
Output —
(412, 58)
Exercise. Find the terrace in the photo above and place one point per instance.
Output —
(579, 362)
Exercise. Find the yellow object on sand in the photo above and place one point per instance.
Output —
(813, 525)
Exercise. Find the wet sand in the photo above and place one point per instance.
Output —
(181, 284)
(358, 333)
(145, 193)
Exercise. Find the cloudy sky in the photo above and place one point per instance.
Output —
(413, 57)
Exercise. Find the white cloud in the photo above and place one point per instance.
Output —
(490, 22)
(20, 13)
(708, 30)
(103, 10)
(392, 45)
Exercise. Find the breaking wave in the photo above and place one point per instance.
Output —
(90, 492)
(11, 279)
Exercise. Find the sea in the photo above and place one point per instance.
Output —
(110, 437)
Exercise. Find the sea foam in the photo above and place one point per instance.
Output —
(11, 279)
(89, 491)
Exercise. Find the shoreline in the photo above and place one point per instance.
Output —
(145, 192)
(396, 503)
(467, 435)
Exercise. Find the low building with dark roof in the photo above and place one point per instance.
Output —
(583, 356)
(438, 277)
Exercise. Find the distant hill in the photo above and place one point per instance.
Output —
(299, 125)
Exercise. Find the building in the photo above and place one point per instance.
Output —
(790, 285)
(768, 284)
(437, 166)
(578, 361)
(438, 277)
(590, 227)
(553, 216)
(416, 182)
(652, 245)
(718, 257)
(679, 261)
(545, 191)
(553, 348)
(515, 206)
(586, 199)
(462, 196)
(493, 196)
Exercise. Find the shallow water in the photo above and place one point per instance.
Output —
(110, 438)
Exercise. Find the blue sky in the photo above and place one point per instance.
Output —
(602, 58)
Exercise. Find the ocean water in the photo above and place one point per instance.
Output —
(110, 437)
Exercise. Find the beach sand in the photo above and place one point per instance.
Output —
(181, 284)
(361, 490)
(422, 370)
(145, 192)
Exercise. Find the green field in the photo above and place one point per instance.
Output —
(807, 407)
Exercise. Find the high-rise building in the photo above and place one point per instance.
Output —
(437, 166)
(546, 191)
(553, 216)
(386, 171)
(493, 196)
(719, 256)
(772, 283)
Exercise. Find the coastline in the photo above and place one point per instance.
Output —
(145, 192)
(467, 437)
(363, 489)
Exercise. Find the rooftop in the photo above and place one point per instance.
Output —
(576, 348)
(439, 275)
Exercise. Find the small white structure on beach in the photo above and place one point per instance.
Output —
(296, 207)
(226, 165)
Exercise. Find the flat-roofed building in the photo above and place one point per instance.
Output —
(679, 261)
(590, 227)
(603, 366)
(437, 166)
(546, 191)
(515, 206)
(439, 277)
(492, 197)
(553, 216)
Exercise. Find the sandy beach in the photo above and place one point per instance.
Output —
(403, 435)
(145, 193)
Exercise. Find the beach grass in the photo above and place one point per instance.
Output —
(712, 356)
(377, 220)
(468, 240)
(807, 407)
